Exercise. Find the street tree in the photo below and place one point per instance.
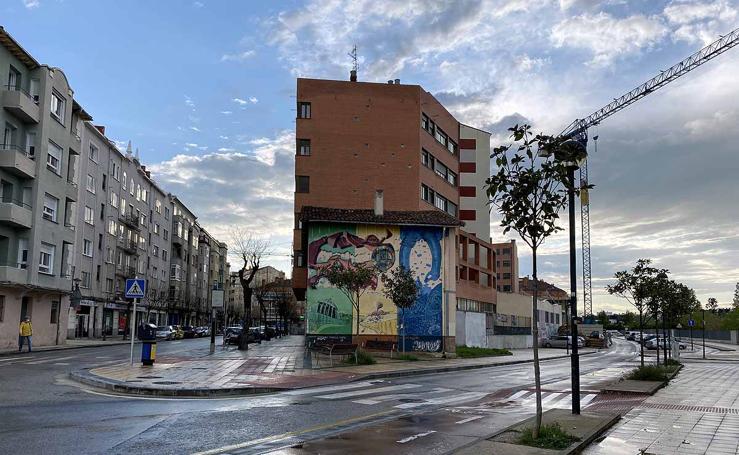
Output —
(250, 250)
(353, 281)
(712, 304)
(634, 286)
(659, 290)
(528, 192)
(735, 302)
(402, 289)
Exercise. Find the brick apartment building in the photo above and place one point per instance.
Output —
(355, 140)
(506, 266)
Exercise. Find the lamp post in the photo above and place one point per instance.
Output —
(704, 333)
(76, 297)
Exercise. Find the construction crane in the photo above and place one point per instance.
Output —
(578, 130)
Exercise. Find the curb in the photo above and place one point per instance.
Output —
(396, 374)
(66, 347)
(85, 377)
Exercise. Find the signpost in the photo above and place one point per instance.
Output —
(691, 323)
(217, 302)
(135, 289)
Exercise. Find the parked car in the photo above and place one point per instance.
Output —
(646, 339)
(188, 331)
(232, 334)
(179, 333)
(652, 344)
(562, 341)
(202, 331)
(166, 332)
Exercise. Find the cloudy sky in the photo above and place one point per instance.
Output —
(206, 90)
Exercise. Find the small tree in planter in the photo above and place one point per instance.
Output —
(403, 290)
(352, 281)
(528, 192)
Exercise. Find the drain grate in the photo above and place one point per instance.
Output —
(167, 382)
(134, 380)
(199, 368)
(148, 377)
(411, 400)
(685, 407)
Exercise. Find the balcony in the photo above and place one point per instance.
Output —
(177, 240)
(21, 104)
(130, 220)
(126, 272)
(15, 160)
(13, 273)
(16, 214)
(75, 140)
(129, 246)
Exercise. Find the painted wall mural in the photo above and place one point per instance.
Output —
(330, 312)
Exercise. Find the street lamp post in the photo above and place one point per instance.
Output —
(704, 333)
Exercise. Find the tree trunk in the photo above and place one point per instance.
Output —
(535, 323)
(641, 334)
(664, 336)
(656, 332)
(357, 325)
(244, 339)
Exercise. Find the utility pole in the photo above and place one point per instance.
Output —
(575, 362)
(704, 334)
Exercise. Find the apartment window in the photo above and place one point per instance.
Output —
(166, 213)
(506, 263)
(108, 285)
(112, 227)
(51, 207)
(93, 153)
(142, 219)
(22, 253)
(440, 202)
(158, 206)
(440, 136)
(303, 109)
(104, 181)
(138, 191)
(165, 234)
(90, 184)
(507, 251)
(132, 188)
(164, 255)
(89, 216)
(85, 280)
(114, 199)
(115, 170)
(123, 206)
(87, 248)
(123, 182)
(54, 158)
(156, 228)
(58, 104)
(100, 242)
(46, 258)
(302, 184)
(304, 147)
(424, 122)
(426, 158)
(109, 255)
(175, 272)
(54, 312)
(102, 211)
(155, 251)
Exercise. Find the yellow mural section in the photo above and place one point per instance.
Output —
(377, 314)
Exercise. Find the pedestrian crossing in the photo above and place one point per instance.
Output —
(549, 400)
(34, 359)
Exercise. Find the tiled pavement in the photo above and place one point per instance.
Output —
(278, 364)
(698, 413)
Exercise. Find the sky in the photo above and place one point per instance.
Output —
(206, 90)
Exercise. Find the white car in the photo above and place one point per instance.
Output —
(652, 344)
(166, 332)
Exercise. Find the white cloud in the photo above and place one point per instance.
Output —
(195, 128)
(253, 100)
(31, 4)
(700, 22)
(243, 102)
(238, 57)
(197, 4)
(226, 112)
(608, 37)
(189, 103)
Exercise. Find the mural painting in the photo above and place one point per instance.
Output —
(331, 313)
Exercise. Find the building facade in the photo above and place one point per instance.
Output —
(506, 265)
(77, 212)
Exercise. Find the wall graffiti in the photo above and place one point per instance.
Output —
(330, 312)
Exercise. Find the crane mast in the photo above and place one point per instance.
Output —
(578, 130)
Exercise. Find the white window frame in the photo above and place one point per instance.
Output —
(89, 216)
(94, 153)
(51, 208)
(56, 155)
(87, 248)
(46, 254)
(90, 184)
(58, 106)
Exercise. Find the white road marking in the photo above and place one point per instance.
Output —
(550, 397)
(381, 398)
(49, 359)
(336, 396)
(12, 358)
(61, 363)
(332, 388)
(587, 399)
(469, 419)
(518, 394)
(415, 436)
(455, 399)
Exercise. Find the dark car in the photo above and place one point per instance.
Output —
(189, 331)
(232, 334)
(202, 331)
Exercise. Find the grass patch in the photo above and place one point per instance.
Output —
(653, 372)
(408, 357)
(363, 358)
(551, 436)
(470, 352)
(672, 362)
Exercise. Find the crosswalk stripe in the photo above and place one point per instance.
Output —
(453, 399)
(587, 399)
(332, 388)
(469, 419)
(415, 436)
(550, 397)
(355, 393)
(518, 394)
(12, 358)
(49, 359)
(381, 398)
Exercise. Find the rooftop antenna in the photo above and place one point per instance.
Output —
(353, 73)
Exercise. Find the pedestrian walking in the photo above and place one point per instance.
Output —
(24, 333)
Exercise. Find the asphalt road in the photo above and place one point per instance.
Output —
(42, 411)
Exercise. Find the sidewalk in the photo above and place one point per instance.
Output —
(697, 413)
(72, 344)
(280, 364)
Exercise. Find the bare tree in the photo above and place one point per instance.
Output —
(250, 251)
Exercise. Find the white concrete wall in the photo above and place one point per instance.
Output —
(510, 341)
(470, 329)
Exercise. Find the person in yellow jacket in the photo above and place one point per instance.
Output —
(24, 334)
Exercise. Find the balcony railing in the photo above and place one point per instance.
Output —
(17, 202)
(129, 246)
(16, 148)
(16, 88)
(130, 220)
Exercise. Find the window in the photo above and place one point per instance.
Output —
(156, 228)
(51, 207)
(57, 106)
(100, 242)
(506, 263)
(138, 192)
(166, 213)
(451, 146)
(46, 258)
(142, 219)
(85, 280)
(304, 147)
(155, 251)
(123, 182)
(166, 234)
(131, 188)
(87, 248)
(115, 170)
(303, 109)
(164, 255)
(175, 273)
(302, 184)
(90, 184)
(54, 312)
(112, 227)
(22, 253)
(158, 206)
(428, 160)
(89, 216)
(440, 136)
(54, 158)
(108, 285)
(93, 153)
(104, 181)
(109, 255)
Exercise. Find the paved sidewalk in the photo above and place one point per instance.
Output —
(697, 413)
(72, 344)
(276, 365)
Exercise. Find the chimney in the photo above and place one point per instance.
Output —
(390, 81)
(379, 209)
(100, 128)
(353, 76)
(397, 81)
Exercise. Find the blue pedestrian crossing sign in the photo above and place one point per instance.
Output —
(691, 322)
(135, 288)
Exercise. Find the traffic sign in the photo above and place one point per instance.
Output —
(135, 288)
(217, 300)
(691, 322)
